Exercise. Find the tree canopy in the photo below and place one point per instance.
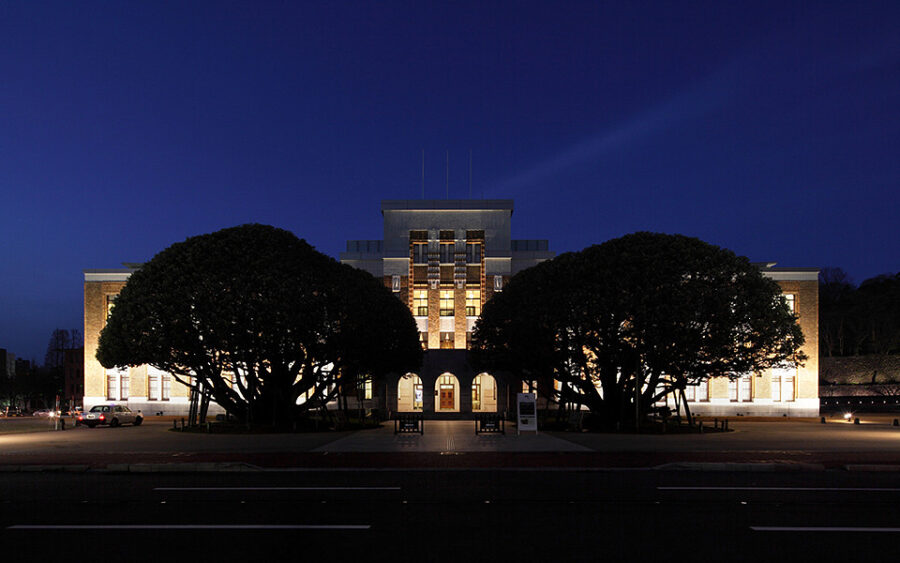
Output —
(633, 318)
(259, 317)
(860, 320)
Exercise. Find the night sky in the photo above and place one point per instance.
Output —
(772, 129)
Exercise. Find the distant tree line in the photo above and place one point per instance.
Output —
(36, 386)
(858, 320)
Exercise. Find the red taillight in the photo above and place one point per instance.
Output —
(102, 417)
(80, 417)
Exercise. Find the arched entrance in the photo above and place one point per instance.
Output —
(484, 393)
(410, 393)
(447, 393)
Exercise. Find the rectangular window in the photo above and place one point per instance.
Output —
(732, 390)
(124, 383)
(420, 302)
(446, 302)
(447, 340)
(783, 383)
(420, 253)
(703, 391)
(529, 387)
(152, 387)
(473, 302)
(112, 385)
(473, 253)
(110, 303)
(791, 299)
(447, 253)
(367, 389)
(698, 392)
(745, 388)
(166, 386)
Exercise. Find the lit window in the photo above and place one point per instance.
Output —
(423, 339)
(112, 385)
(367, 389)
(697, 392)
(745, 388)
(110, 304)
(473, 302)
(783, 384)
(420, 302)
(153, 387)
(446, 302)
(790, 298)
(447, 340)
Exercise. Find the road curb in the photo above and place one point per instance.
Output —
(44, 468)
(727, 466)
(180, 467)
(884, 468)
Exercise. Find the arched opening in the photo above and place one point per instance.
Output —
(410, 393)
(447, 387)
(484, 393)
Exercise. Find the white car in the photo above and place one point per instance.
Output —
(113, 415)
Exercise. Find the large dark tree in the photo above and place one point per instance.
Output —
(261, 319)
(622, 323)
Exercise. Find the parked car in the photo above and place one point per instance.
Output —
(45, 413)
(12, 411)
(113, 415)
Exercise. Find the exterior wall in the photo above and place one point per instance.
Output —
(99, 286)
(803, 285)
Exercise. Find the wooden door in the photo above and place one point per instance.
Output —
(446, 398)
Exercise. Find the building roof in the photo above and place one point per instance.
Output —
(446, 204)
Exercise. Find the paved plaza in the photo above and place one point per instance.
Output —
(454, 443)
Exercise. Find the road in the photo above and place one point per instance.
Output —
(439, 515)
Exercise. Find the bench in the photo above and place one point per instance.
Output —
(409, 423)
(490, 423)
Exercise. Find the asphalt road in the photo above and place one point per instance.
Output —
(456, 515)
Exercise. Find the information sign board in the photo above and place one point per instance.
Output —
(526, 404)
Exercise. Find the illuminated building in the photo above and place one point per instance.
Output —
(445, 259)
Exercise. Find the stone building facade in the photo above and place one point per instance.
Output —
(790, 390)
(445, 259)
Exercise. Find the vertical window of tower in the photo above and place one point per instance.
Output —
(420, 302)
(446, 253)
(446, 303)
(473, 253)
(473, 302)
(420, 253)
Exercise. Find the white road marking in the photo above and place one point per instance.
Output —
(276, 489)
(822, 529)
(189, 527)
(848, 489)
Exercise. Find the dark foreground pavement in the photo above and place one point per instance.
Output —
(486, 515)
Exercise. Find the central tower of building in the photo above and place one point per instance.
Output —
(445, 259)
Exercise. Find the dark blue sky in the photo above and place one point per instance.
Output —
(772, 128)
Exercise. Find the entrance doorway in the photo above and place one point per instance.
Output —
(484, 393)
(409, 393)
(447, 393)
(446, 397)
